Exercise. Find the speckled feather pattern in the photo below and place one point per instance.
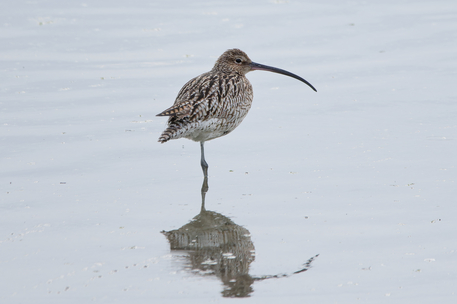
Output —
(208, 106)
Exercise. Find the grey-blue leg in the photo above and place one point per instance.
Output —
(203, 161)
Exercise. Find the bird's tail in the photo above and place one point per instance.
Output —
(168, 134)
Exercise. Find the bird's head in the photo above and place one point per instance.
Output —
(233, 61)
(236, 61)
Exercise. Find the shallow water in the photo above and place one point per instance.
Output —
(355, 184)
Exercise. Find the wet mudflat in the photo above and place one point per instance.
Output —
(343, 195)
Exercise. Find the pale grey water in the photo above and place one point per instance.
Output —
(363, 172)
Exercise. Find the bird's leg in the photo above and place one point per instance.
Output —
(203, 161)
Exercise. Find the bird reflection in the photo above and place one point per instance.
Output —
(215, 245)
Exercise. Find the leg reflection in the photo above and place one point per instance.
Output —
(204, 190)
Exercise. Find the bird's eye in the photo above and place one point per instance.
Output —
(238, 60)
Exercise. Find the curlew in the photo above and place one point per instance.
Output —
(215, 103)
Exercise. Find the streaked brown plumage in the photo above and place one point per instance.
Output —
(215, 103)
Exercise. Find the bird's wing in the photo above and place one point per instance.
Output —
(196, 97)
(181, 110)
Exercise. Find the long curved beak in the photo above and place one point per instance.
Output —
(261, 67)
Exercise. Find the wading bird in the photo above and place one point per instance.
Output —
(215, 103)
